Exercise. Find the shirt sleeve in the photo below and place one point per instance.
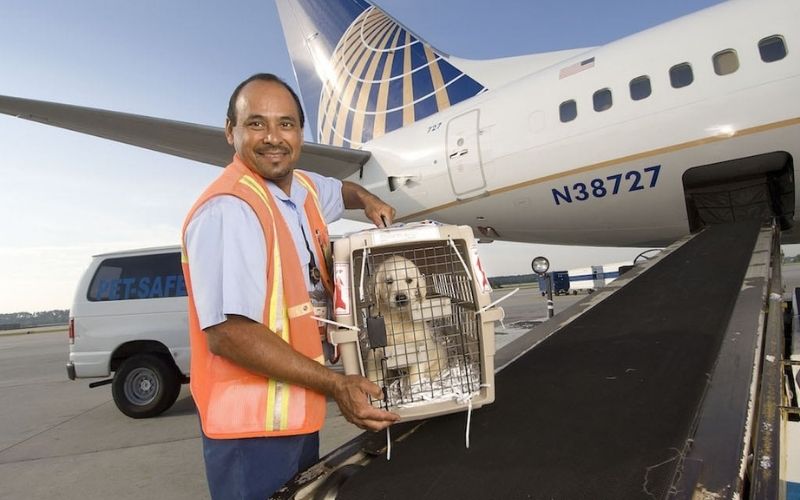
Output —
(330, 196)
(227, 261)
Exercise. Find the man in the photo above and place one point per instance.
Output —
(254, 254)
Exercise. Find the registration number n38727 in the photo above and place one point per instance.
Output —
(612, 185)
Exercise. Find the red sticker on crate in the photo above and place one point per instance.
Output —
(341, 293)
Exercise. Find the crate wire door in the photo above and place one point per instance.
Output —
(427, 300)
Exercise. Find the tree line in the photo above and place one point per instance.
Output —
(11, 321)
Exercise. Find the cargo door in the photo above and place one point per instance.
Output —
(464, 157)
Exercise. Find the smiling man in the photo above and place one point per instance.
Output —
(255, 268)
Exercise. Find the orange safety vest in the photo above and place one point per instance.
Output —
(234, 402)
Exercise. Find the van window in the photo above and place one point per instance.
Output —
(602, 100)
(772, 48)
(568, 110)
(640, 88)
(681, 75)
(140, 277)
(725, 62)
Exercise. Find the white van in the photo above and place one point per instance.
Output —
(129, 316)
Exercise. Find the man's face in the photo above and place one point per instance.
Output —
(267, 135)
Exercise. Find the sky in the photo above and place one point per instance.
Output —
(65, 196)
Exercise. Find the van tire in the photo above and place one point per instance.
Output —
(145, 385)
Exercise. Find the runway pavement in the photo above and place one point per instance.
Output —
(61, 439)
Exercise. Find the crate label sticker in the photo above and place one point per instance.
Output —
(341, 289)
(480, 274)
(387, 237)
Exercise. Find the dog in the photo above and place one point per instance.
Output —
(399, 286)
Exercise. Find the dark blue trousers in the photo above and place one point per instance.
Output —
(254, 468)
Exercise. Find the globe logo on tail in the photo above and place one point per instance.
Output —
(384, 78)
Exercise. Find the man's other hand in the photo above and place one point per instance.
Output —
(351, 395)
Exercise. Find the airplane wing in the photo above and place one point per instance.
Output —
(186, 140)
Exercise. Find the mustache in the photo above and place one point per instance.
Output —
(272, 149)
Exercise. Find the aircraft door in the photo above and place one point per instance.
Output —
(464, 156)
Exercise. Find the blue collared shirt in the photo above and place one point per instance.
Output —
(227, 254)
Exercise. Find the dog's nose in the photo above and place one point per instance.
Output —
(401, 299)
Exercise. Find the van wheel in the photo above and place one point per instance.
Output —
(145, 386)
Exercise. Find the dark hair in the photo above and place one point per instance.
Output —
(264, 77)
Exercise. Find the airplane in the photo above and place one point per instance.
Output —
(633, 143)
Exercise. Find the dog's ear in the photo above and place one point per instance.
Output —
(379, 287)
(422, 288)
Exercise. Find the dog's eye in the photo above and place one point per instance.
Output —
(409, 280)
(389, 281)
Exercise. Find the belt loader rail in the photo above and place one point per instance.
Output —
(648, 389)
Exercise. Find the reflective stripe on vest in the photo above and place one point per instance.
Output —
(277, 411)
(236, 403)
(311, 188)
(276, 284)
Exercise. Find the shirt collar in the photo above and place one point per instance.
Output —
(298, 192)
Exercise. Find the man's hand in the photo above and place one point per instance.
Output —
(351, 393)
(379, 212)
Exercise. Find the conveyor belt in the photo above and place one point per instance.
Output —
(598, 410)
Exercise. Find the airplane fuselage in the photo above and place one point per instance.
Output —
(507, 163)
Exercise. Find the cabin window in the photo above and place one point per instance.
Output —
(602, 100)
(568, 111)
(681, 75)
(725, 62)
(772, 48)
(640, 88)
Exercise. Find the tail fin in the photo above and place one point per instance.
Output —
(362, 74)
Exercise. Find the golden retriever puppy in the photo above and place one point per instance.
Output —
(399, 286)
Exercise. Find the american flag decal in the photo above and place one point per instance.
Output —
(576, 68)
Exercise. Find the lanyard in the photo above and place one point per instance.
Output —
(314, 274)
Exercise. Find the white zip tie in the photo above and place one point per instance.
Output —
(363, 265)
(461, 398)
(336, 323)
(469, 420)
(501, 299)
(466, 269)
(388, 444)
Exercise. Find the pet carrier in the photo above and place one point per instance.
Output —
(417, 303)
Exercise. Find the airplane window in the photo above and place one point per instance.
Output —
(772, 48)
(640, 88)
(725, 62)
(602, 100)
(568, 110)
(681, 75)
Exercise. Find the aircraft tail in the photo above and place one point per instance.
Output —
(362, 74)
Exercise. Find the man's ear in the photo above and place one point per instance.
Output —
(229, 131)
